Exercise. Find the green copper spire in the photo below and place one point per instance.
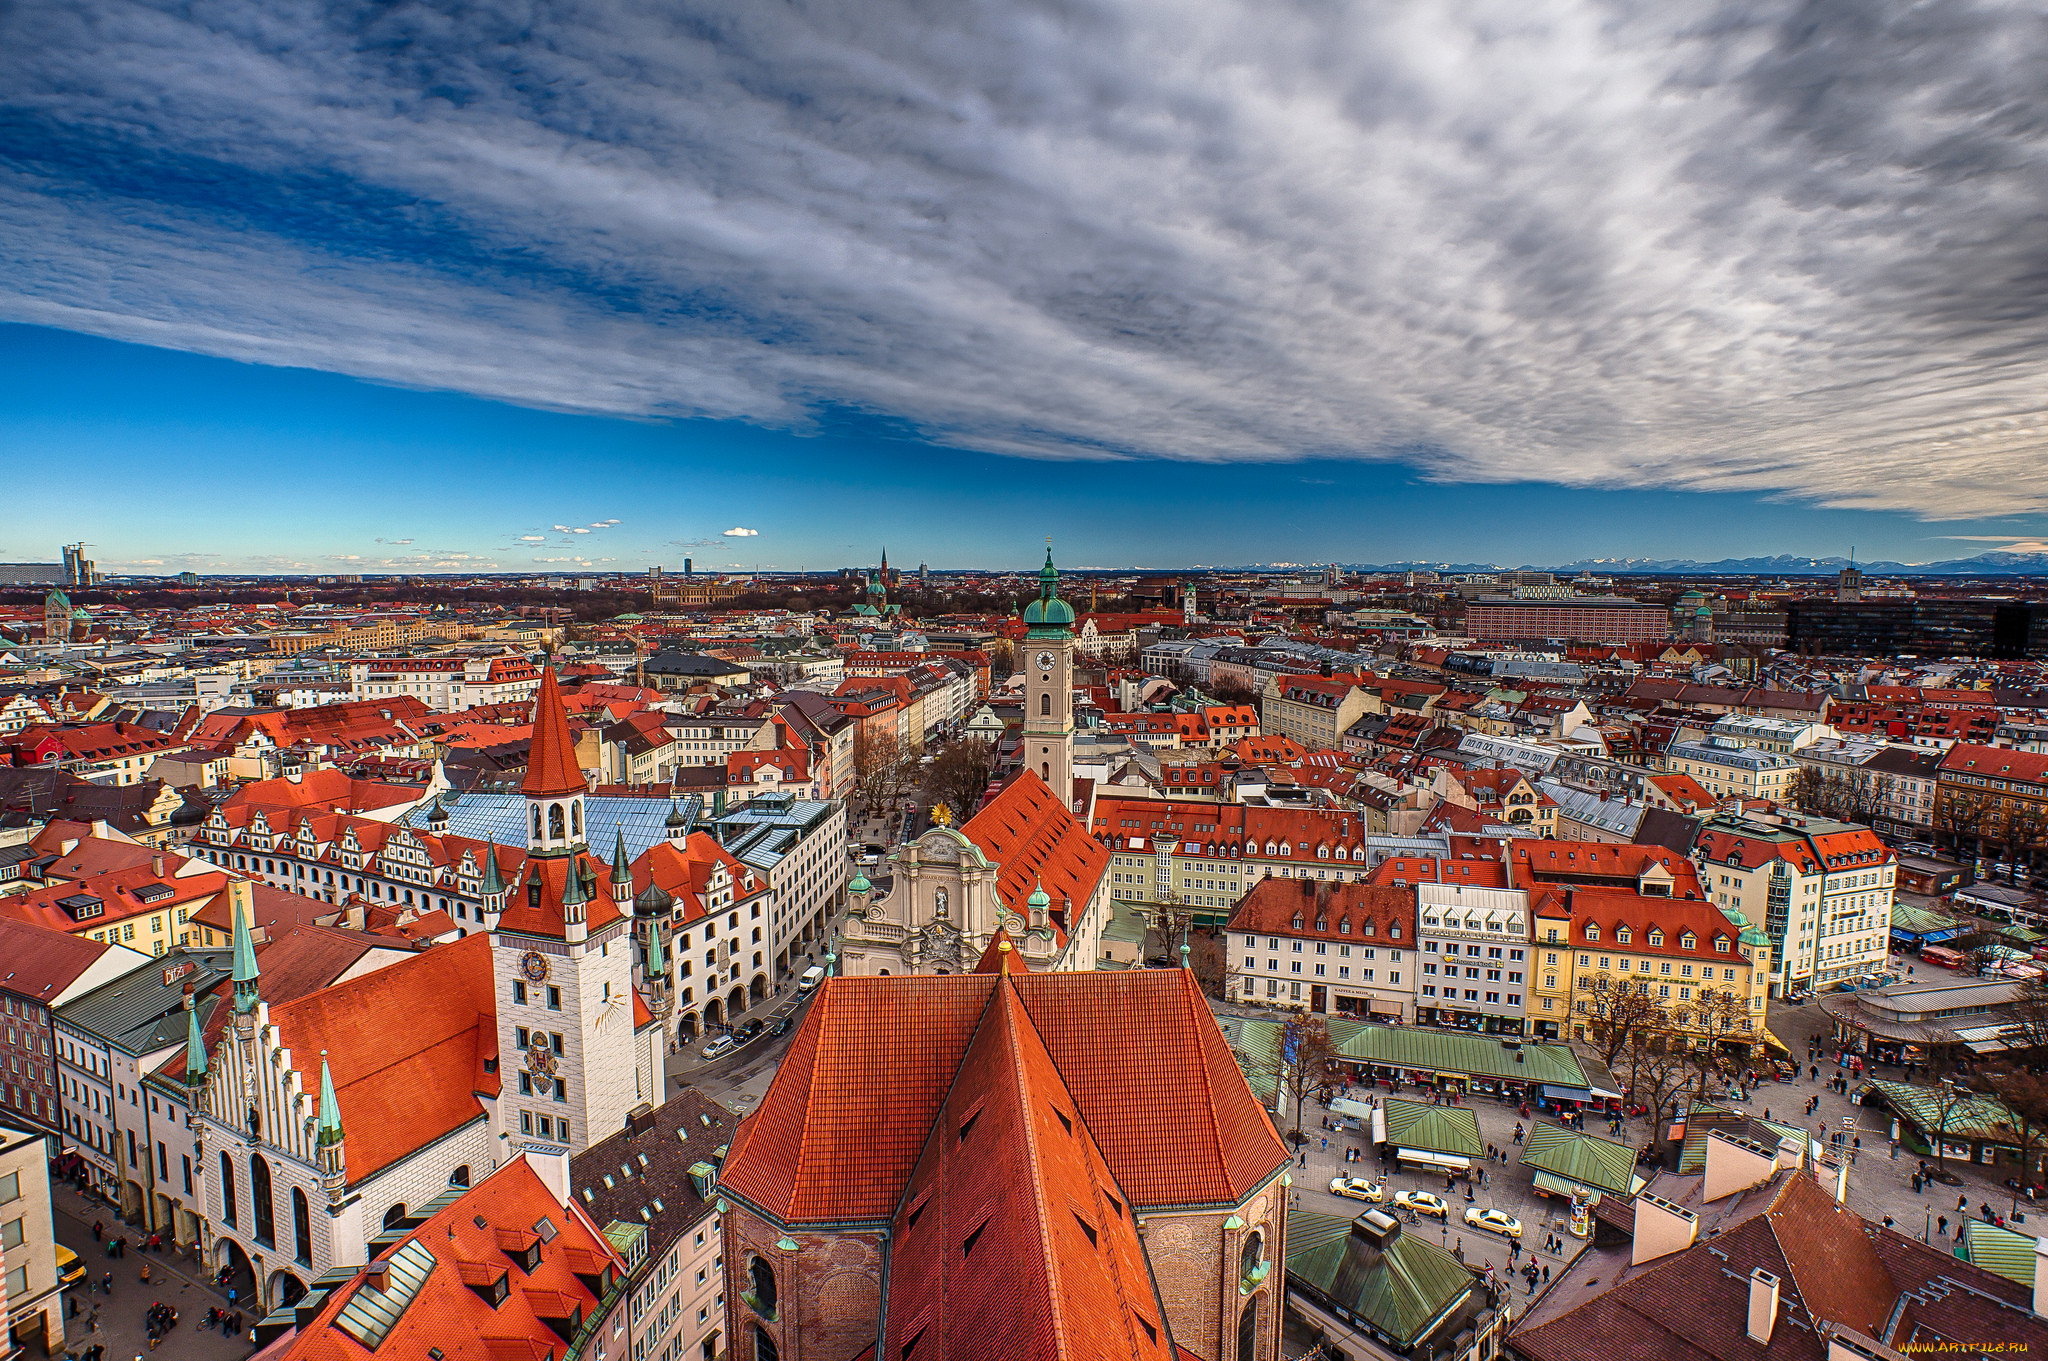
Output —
(245, 962)
(330, 1109)
(492, 883)
(572, 887)
(622, 867)
(195, 1048)
(657, 961)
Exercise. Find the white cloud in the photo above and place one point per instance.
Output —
(533, 538)
(1783, 247)
(736, 532)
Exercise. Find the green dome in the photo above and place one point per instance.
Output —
(1049, 613)
(860, 884)
(1054, 613)
(1038, 899)
(1752, 936)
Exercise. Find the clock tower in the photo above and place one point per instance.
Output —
(1047, 657)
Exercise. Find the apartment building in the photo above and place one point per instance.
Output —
(1820, 890)
(1331, 949)
(1475, 957)
(1728, 770)
(446, 684)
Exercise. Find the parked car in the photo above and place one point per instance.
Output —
(749, 1029)
(1423, 1203)
(1494, 1221)
(70, 1270)
(1358, 1188)
(720, 1047)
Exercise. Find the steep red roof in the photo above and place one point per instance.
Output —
(852, 1106)
(406, 1045)
(1014, 1238)
(1029, 832)
(551, 769)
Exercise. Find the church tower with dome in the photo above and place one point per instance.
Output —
(1047, 659)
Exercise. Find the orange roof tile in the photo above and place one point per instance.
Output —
(551, 769)
(851, 1107)
(406, 1045)
(1035, 839)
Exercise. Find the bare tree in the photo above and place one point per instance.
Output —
(1614, 1012)
(1307, 1038)
(877, 767)
(2025, 1096)
(1208, 960)
(1961, 814)
(1809, 787)
(959, 774)
(1704, 1024)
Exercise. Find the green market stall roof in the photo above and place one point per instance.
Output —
(1401, 1289)
(1434, 1129)
(1581, 1159)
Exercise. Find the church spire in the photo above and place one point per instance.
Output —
(622, 873)
(551, 769)
(245, 954)
(195, 1045)
(330, 1145)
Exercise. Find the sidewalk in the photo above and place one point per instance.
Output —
(174, 1280)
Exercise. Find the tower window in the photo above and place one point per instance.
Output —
(556, 828)
(1045, 705)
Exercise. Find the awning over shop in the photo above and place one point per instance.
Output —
(1449, 1162)
(1568, 1093)
(1986, 1039)
(1773, 1042)
(1558, 1186)
(1360, 1111)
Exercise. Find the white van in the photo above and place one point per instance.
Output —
(812, 977)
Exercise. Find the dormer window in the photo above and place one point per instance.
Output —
(1721, 944)
(1592, 931)
(1688, 941)
(1622, 934)
(1656, 938)
(1297, 921)
(1344, 926)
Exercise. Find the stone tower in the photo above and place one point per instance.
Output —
(1048, 662)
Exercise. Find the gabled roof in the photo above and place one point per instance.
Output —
(1013, 1237)
(852, 1105)
(406, 1045)
(1035, 839)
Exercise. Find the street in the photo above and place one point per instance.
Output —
(174, 1280)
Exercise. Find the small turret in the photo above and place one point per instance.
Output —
(1039, 903)
(622, 873)
(575, 901)
(493, 889)
(246, 996)
(195, 1049)
(330, 1144)
(678, 826)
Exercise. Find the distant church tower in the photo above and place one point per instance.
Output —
(1048, 660)
(56, 617)
(1187, 603)
(561, 952)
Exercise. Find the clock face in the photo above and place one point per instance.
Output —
(534, 965)
(1045, 661)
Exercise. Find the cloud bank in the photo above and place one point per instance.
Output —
(1784, 247)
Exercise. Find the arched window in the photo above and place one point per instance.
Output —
(460, 1176)
(556, 830)
(761, 1288)
(1045, 771)
(1254, 1253)
(536, 822)
(1045, 705)
(1248, 1331)
(576, 817)
(302, 1228)
(764, 1345)
(227, 1187)
(394, 1215)
(263, 1222)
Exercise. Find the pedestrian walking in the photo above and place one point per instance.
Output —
(1546, 1273)
(98, 1227)
(1941, 1225)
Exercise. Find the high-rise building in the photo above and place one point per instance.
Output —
(79, 570)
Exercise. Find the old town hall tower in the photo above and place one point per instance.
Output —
(1048, 664)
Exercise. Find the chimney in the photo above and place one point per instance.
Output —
(156, 867)
(2041, 1276)
(1763, 1306)
(67, 845)
(1662, 1228)
(1791, 1149)
(100, 830)
(1832, 1176)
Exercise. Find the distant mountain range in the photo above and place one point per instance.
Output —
(1783, 565)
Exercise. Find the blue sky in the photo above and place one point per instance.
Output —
(1209, 281)
(218, 465)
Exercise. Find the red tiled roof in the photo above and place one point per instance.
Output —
(448, 1314)
(851, 1108)
(41, 962)
(551, 769)
(406, 1045)
(1014, 1238)
(1036, 841)
(1272, 905)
